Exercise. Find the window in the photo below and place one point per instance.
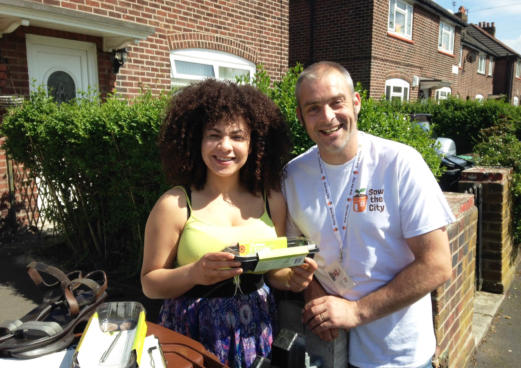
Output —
(400, 18)
(490, 66)
(396, 90)
(460, 63)
(479, 97)
(481, 64)
(518, 69)
(446, 38)
(515, 101)
(191, 65)
(442, 93)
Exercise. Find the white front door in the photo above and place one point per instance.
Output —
(65, 68)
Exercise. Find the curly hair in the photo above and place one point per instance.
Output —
(204, 104)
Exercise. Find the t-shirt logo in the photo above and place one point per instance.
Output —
(359, 200)
(376, 200)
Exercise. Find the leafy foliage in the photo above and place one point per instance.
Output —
(501, 146)
(100, 166)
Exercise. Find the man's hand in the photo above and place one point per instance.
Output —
(315, 292)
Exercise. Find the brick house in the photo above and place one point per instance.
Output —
(400, 49)
(129, 45)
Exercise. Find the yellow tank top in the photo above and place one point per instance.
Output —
(200, 237)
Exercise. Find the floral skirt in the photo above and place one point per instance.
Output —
(236, 329)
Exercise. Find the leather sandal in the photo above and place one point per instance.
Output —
(52, 291)
(55, 330)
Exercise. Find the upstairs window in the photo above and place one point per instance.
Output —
(192, 65)
(490, 66)
(396, 90)
(442, 93)
(400, 18)
(446, 38)
(460, 62)
(518, 69)
(481, 64)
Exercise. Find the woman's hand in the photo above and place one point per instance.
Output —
(295, 279)
(299, 277)
(214, 267)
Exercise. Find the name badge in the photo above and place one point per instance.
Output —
(339, 277)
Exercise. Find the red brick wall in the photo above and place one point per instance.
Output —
(453, 302)
(257, 31)
(397, 58)
(472, 82)
(341, 32)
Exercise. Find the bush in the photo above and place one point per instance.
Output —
(501, 146)
(99, 164)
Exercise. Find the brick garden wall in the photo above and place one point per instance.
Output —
(453, 302)
(499, 256)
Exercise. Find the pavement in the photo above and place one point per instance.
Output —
(496, 322)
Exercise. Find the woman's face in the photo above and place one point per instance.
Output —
(225, 147)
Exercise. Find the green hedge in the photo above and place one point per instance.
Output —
(100, 164)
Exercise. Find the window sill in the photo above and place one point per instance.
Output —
(481, 73)
(446, 53)
(401, 38)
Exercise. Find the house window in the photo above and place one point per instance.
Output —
(515, 101)
(481, 64)
(400, 18)
(490, 66)
(192, 65)
(396, 90)
(518, 69)
(479, 97)
(442, 93)
(460, 63)
(446, 38)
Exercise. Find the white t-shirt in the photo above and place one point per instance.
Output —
(402, 200)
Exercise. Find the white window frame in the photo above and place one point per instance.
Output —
(460, 62)
(518, 69)
(405, 9)
(446, 29)
(398, 83)
(490, 66)
(442, 93)
(213, 58)
(481, 63)
(479, 97)
(515, 101)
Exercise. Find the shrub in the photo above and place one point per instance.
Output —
(501, 146)
(100, 168)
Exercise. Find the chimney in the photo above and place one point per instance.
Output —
(490, 28)
(462, 14)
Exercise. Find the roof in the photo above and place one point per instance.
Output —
(432, 6)
(497, 48)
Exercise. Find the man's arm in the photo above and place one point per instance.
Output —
(430, 268)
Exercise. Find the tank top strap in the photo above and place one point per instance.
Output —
(188, 196)
(266, 204)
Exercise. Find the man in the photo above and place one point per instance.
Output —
(378, 217)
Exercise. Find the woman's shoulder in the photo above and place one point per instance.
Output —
(173, 201)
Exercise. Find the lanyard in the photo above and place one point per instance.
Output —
(329, 199)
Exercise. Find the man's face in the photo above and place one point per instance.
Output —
(328, 110)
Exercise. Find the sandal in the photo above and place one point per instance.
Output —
(55, 330)
(51, 291)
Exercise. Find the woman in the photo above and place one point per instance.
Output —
(223, 146)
